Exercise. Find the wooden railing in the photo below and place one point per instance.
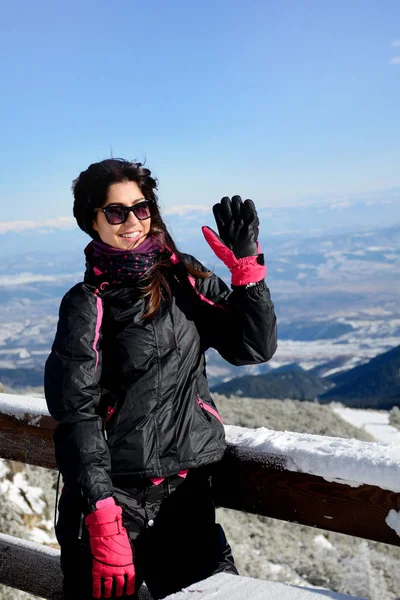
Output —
(246, 480)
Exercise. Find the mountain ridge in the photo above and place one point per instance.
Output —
(375, 384)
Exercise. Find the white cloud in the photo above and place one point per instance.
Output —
(39, 226)
(25, 278)
(395, 60)
(396, 43)
(336, 205)
(185, 209)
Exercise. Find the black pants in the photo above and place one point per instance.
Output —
(172, 528)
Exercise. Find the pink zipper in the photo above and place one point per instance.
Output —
(208, 408)
(109, 413)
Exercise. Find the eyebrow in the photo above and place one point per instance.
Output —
(122, 204)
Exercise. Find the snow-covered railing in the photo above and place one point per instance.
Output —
(347, 486)
(341, 485)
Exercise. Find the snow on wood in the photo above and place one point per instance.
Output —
(335, 459)
(232, 587)
(248, 480)
(24, 408)
(26, 430)
(266, 472)
(352, 462)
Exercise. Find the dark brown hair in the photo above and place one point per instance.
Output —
(90, 191)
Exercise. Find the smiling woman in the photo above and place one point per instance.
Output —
(138, 430)
(122, 225)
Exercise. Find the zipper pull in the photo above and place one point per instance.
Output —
(81, 527)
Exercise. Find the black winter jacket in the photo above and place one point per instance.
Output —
(131, 397)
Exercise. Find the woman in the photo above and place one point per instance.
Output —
(126, 380)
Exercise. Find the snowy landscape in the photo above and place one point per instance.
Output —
(335, 288)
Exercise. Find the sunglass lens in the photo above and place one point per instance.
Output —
(142, 210)
(115, 215)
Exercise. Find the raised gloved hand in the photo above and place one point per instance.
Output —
(111, 551)
(237, 243)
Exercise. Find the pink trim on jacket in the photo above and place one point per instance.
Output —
(99, 318)
(193, 284)
(158, 480)
(208, 408)
(175, 260)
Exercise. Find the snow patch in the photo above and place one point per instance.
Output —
(322, 542)
(26, 497)
(337, 459)
(375, 422)
(19, 406)
(233, 587)
(393, 520)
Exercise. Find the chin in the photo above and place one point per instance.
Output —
(127, 245)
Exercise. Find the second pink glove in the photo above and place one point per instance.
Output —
(111, 551)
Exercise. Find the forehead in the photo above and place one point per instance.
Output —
(124, 192)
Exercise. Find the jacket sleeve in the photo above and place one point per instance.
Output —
(72, 390)
(239, 323)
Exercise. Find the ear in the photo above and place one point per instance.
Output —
(94, 223)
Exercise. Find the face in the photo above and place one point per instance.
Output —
(130, 234)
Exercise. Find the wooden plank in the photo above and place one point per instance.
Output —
(22, 561)
(232, 587)
(35, 568)
(250, 481)
(28, 439)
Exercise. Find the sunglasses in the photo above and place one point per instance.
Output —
(115, 215)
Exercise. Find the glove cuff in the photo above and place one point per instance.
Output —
(107, 529)
(104, 522)
(249, 269)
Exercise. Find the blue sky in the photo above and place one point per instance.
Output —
(282, 101)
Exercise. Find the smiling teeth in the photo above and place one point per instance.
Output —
(130, 235)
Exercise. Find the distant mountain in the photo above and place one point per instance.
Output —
(335, 365)
(336, 294)
(290, 367)
(375, 384)
(295, 384)
(18, 379)
(313, 330)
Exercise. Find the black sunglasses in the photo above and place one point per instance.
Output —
(116, 214)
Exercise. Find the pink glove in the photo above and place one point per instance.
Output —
(111, 550)
(244, 270)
